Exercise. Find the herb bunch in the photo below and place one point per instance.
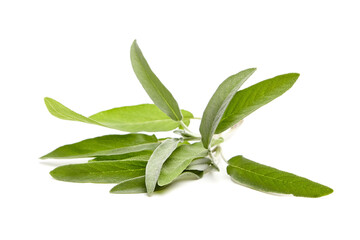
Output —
(142, 163)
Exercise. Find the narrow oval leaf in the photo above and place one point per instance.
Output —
(139, 118)
(105, 145)
(142, 155)
(152, 85)
(268, 179)
(60, 111)
(156, 161)
(99, 172)
(252, 98)
(179, 161)
(200, 164)
(218, 103)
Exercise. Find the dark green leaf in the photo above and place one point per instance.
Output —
(152, 85)
(100, 172)
(143, 155)
(105, 145)
(218, 103)
(179, 161)
(268, 179)
(250, 99)
(156, 161)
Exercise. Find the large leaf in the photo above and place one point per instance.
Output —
(179, 161)
(268, 179)
(142, 155)
(137, 184)
(152, 85)
(250, 99)
(139, 118)
(156, 161)
(218, 103)
(100, 172)
(105, 145)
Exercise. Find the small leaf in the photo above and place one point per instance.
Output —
(152, 85)
(142, 155)
(218, 103)
(268, 179)
(60, 111)
(252, 98)
(139, 118)
(179, 160)
(100, 172)
(156, 161)
(200, 164)
(105, 145)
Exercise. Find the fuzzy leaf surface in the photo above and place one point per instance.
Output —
(156, 161)
(105, 145)
(99, 172)
(268, 179)
(141, 156)
(218, 103)
(252, 98)
(152, 85)
(179, 161)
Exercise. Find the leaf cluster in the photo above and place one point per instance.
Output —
(141, 163)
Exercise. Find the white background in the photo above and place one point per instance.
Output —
(77, 52)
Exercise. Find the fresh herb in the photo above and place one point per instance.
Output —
(142, 163)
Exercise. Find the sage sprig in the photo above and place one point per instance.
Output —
(142, 163)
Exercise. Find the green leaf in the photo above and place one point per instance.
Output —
(200, 164)
(218, 103)
(100, 172)
(142, 155)
(179, 161)
(268, 179)
(60, 111)
(156, 161)
(250, 99)
(139, 118)
(105, 145)
(152, 85)
(137, 184)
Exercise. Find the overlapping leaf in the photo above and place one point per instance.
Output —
(100, 172)
(268, 179)
(252, 98)
(137, 118)
(152, 85)
(105, 145)
(218, 103)
(179, 161)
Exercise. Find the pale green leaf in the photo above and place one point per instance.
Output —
(179, 161)
(252, 98)
(268, 179)
(105, 145)
(156, 161)
(200, 164)
(100, 172)
(218, 103)
(139, 118)
(152, 85)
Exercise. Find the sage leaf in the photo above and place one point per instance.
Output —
(140, 156)
(156, 161)
(252, 98)
(139, 118)
(268, 179)
(179, 160)
(152, 85)
(60, 111)
(99, 172)
(218, 103)
(105, 145)
(200, 164)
